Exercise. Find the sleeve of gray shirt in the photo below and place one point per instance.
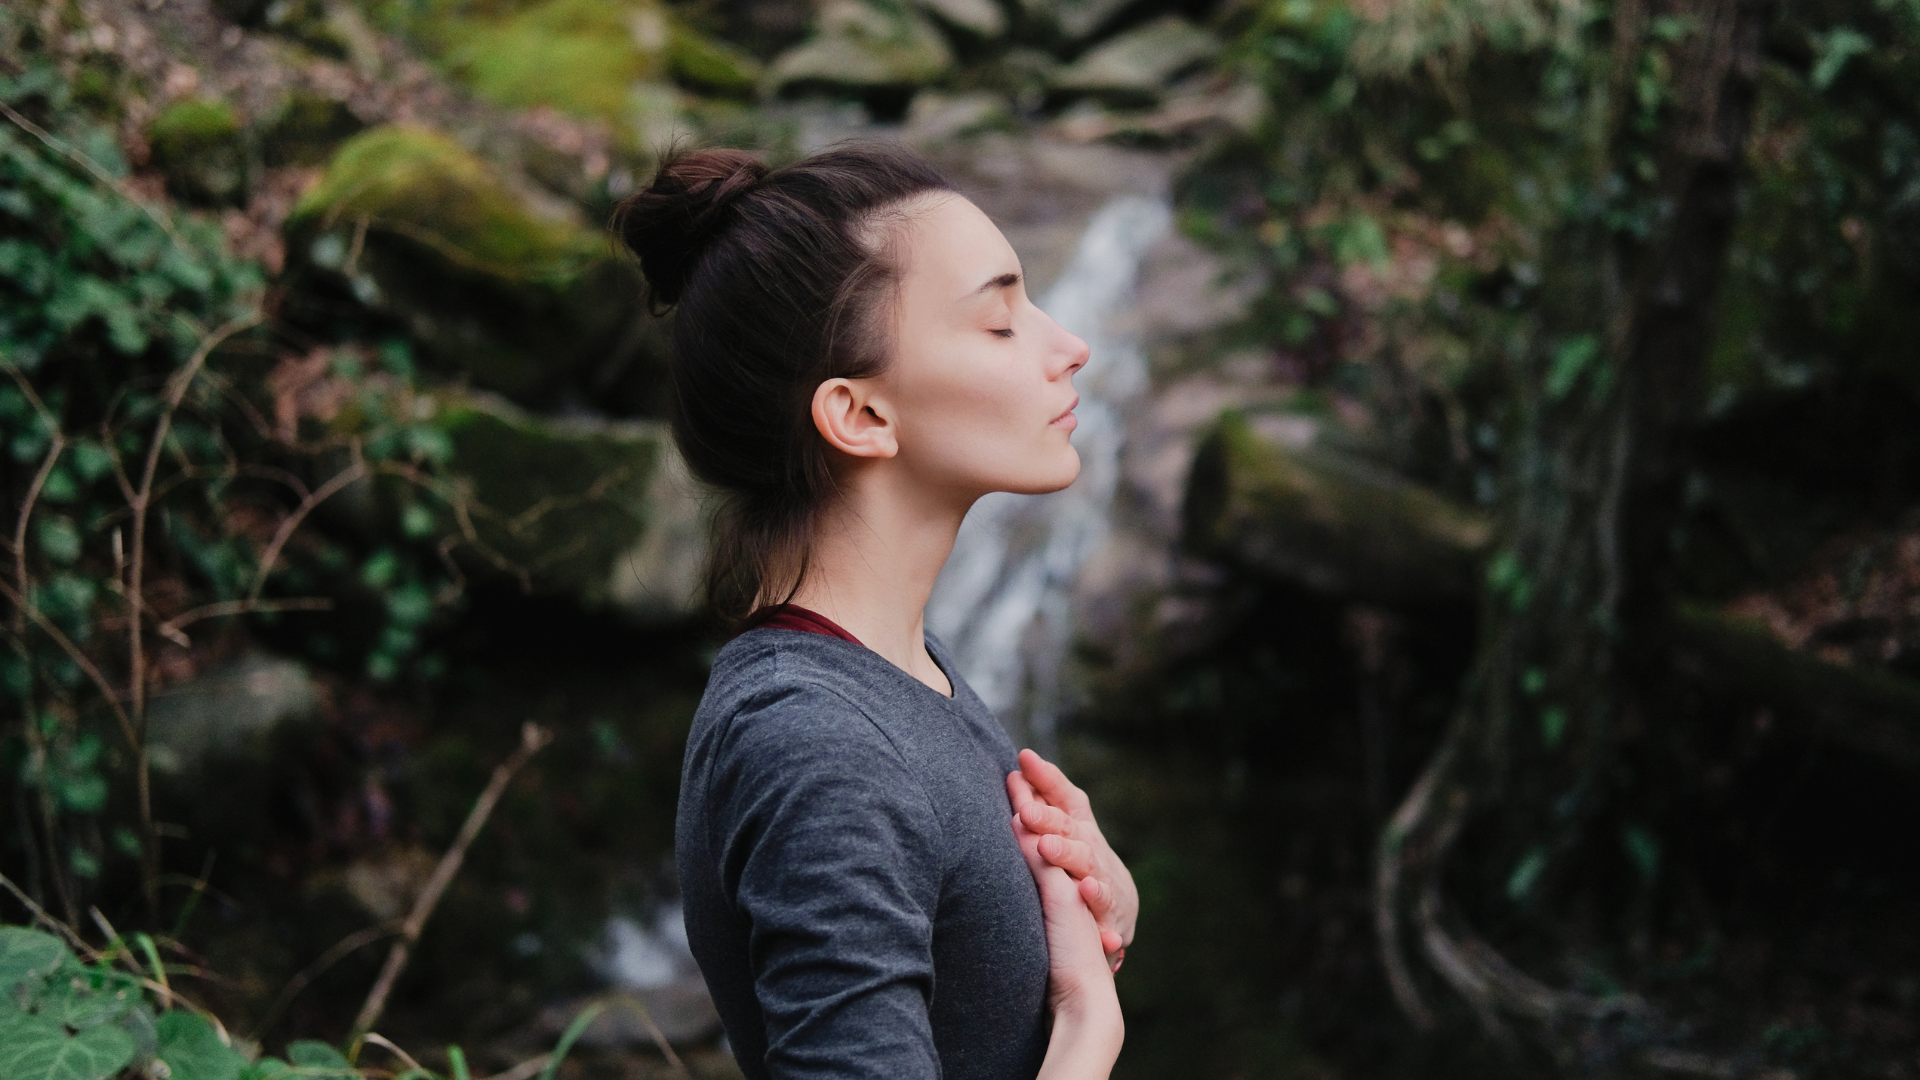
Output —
(830, 849)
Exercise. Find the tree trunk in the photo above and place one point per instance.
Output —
(1576, 588)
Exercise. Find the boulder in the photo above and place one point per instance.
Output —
(578, 56)
(1137, 66)
(1073, 20)
(305, 128)
(1305, 513)
(229, 713)
(978, 18)
(502, 288)
(600, 510)
(865, 45)
(200, 147)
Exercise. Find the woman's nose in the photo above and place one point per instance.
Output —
(1072, 352)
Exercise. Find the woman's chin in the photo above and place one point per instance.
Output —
(1044, 481)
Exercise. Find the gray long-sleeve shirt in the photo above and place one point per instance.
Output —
(854, 894)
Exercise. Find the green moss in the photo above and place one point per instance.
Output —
(579, 56)
(200, 147)
(305, 129)
(706, 64)
(423, 185)
(564, 499)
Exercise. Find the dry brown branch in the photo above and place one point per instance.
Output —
(532, 739)
(341, 949)
(20, 527)
(527, 1068)
(141, 502)
(171, 628)
(79, 657)
(94, 169)
(388, 1045)
(40, 916)
(653, 1032)
(356, 471)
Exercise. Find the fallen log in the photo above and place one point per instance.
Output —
(1870, 710)
(1327, 520)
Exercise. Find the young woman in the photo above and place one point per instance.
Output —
(876, 887)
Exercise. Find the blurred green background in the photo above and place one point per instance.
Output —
(1501, 654)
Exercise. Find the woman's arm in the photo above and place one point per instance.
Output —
(1087, 1025)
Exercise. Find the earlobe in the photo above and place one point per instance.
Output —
(850, 416)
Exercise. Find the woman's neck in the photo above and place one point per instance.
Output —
(876, 554)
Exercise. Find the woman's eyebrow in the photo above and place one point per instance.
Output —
(1004, 281)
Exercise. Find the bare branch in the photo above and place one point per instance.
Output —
(356, 471)
(95, 169)
(20, 527)
(80, 658)
(171, 628)
(532, 739)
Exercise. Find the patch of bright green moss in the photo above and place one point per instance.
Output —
(579, 56)
(707, 64)
(199, 146)
(423, 185)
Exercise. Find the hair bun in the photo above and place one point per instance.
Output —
(670, 223)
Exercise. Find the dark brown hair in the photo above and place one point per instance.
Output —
(778, 282)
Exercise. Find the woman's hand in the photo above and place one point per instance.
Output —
(1058, 813)
(1087, 1026)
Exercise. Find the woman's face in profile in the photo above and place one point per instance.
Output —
(982, 380)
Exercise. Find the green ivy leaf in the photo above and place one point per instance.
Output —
(193, 1051)
(26, 955)
(35, 1049)
(59, 540)
(319, 1061)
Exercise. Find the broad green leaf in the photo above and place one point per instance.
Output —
(193, 1051)
(267, 1068)
(27, 954)
(35, 1049)
(319, 1061)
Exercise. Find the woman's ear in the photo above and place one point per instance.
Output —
(851, 416)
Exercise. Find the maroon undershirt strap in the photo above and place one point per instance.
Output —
(795, 617)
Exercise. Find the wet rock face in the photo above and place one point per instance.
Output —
(200, 147)
(1137, 66)
(865, 46)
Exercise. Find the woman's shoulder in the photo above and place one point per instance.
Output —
(795, 689)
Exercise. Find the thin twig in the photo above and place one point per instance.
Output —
(95, 168)
(532, 738)
(527, 1068)
(171, 628)
(387, 1044)
(356, 471)
(20, 527)
(342, 949)
(142, 501)
(40, 916)
(653, 1031)
(80, 658)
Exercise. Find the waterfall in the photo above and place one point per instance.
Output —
(1002, 603)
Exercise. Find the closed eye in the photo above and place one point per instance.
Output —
(1005, 333)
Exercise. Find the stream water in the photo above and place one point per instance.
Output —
(1002, 604)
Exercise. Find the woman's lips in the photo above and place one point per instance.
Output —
(1067, 419)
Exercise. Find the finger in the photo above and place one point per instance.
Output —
(1110, 944)
(1099, 897)
(1019, 792)
(1041, 818)
(1072, 856)
(1050, 783)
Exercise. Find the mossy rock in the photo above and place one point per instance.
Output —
(709, 64)
(306, 128)
(576, 504)
(200, 147)
(420, 184)
(862, 45)
(427, 238)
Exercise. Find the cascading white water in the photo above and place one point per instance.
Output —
(1001, 605)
